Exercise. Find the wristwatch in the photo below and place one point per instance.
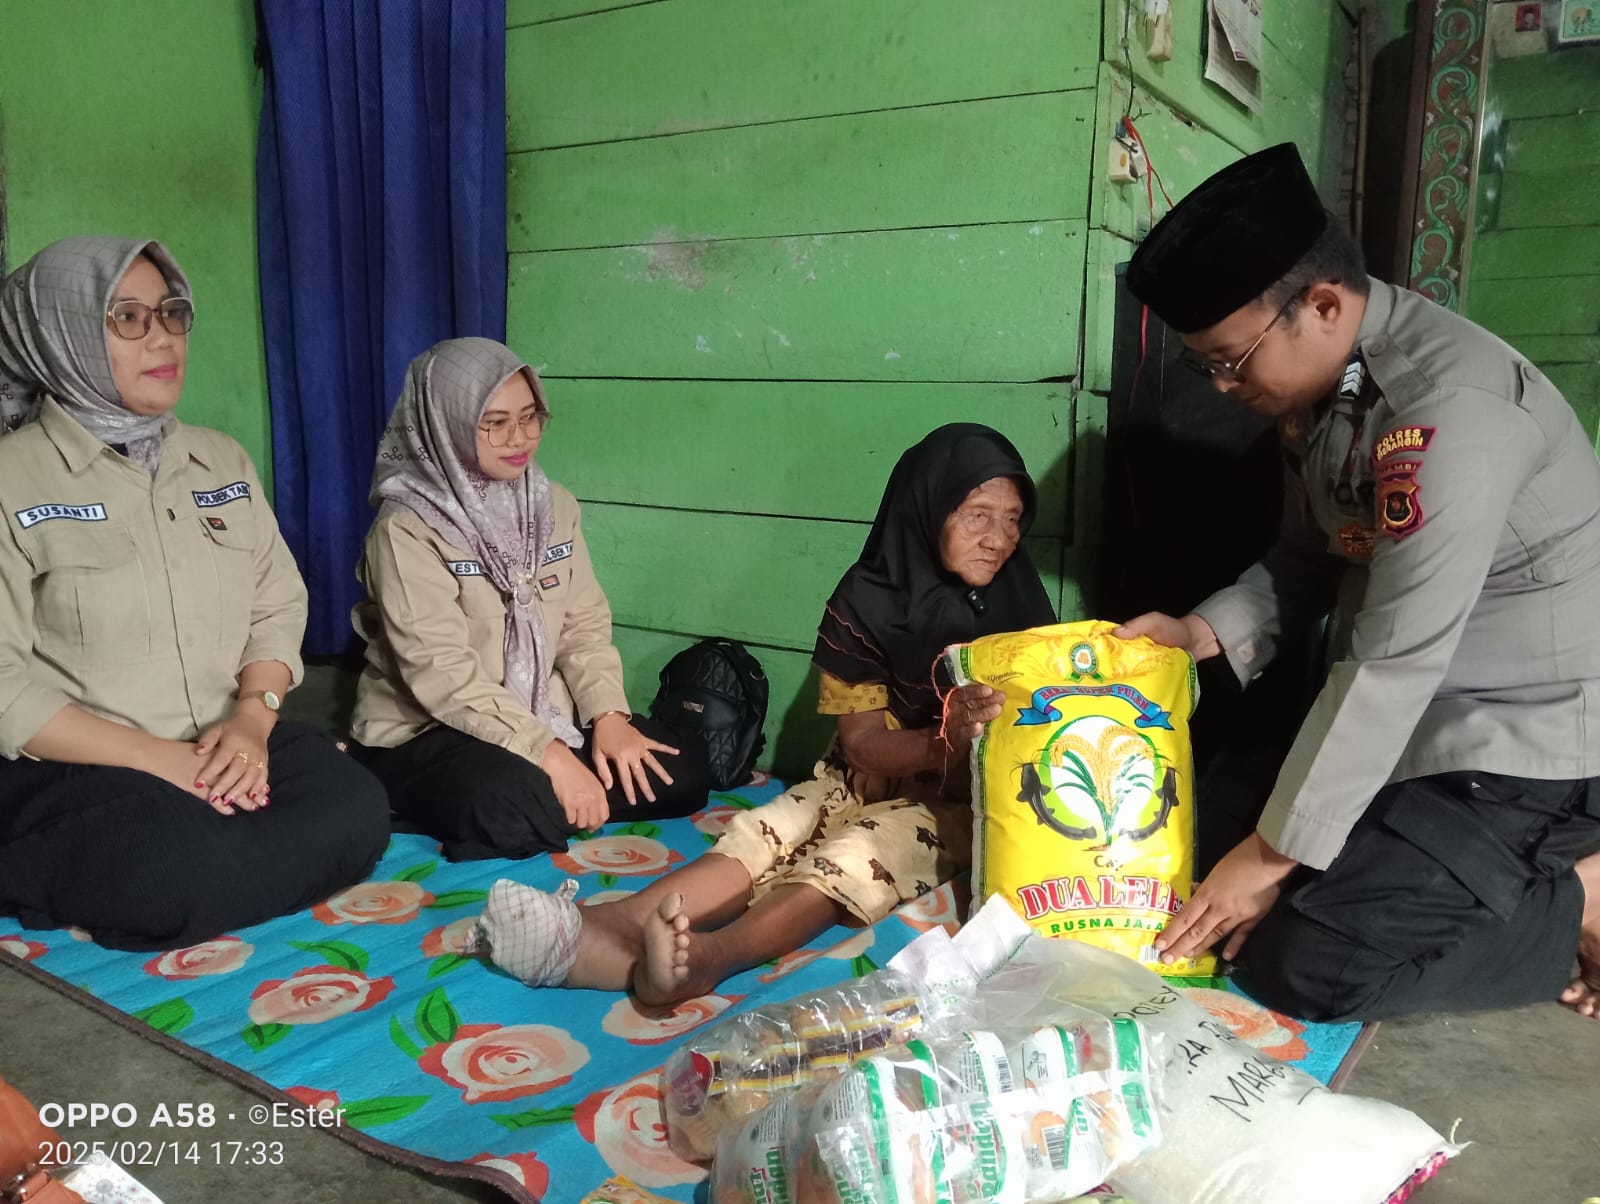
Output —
(268, 699)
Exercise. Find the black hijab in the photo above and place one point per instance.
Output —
(897, 608)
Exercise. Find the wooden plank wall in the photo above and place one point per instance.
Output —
(1191, 128)
(757, 251)
(1533, 266)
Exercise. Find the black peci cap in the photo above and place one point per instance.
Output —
(1229, 240)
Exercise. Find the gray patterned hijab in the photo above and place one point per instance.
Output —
(53, 339)
(428, 463)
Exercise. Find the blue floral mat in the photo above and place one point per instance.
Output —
(442, 1062)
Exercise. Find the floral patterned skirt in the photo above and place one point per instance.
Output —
(869, 857)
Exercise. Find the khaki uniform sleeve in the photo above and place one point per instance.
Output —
(417, 600)
(278, 609)
(585, 657)
(1295, 582)
(1435, 546)
(25, 705)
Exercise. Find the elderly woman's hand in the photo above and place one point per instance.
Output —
(966, 710)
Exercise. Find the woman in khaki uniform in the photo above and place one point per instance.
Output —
(150, 621)
(889, 814)
(491, 704)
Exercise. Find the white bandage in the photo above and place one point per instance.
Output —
(530, 934)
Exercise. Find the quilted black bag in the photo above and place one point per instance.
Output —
(717, 690)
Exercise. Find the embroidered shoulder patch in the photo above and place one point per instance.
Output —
(1402, 439)
(94, 512)
(221, 497)
(1400, 501)
(559, 552)
(465, 568)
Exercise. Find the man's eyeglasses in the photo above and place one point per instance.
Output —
(1232, 371)
(497, 431)
(131, 319)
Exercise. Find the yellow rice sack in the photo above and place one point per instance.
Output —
(1083, 787)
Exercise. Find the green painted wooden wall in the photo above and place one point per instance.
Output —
(757, 250)
(1533, 266)
(140, 120)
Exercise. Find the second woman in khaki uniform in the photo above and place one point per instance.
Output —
(492, 702)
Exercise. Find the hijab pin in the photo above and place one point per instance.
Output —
(525, 591)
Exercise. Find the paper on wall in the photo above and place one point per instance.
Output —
(1233, 49)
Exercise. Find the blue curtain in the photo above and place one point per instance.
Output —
(381, 219)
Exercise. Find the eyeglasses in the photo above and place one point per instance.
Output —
(497, 431)
(1232, 371)
(131, 319)
(981, 522)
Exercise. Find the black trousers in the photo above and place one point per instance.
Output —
(141, 864)
(480, 800)
(1454, 892)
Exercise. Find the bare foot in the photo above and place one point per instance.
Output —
(1583, 996)
(609, 946)
(663, 976)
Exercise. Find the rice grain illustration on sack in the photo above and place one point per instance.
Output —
(1083, 788)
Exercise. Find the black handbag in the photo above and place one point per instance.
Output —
(716, 690)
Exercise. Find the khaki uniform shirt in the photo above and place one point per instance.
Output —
(435, 628)
(137, 599)
(1454, 497)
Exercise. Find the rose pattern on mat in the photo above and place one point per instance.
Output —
(1273, 1033)
(526, 1169)
(938, 908)
(853, 950)
(493, 1062)
(315, 1099)
(449, 938)
(316, 995)
(652, 1026)
(713, 821)
(394, 902)
(223, 955)
(18, 946)
(616, 856)
(627, 1127)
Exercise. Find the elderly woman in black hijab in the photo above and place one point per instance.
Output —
(888, 815)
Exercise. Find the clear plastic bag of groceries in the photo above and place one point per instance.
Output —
(985, 1116)
(739, 1065)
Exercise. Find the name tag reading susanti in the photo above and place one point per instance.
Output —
(94, 512)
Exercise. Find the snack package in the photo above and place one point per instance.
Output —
(739, 1065)
(947, 1120)
(1083, 787)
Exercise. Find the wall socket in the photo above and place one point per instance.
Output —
(1125, 164)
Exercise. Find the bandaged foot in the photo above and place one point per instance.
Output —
(532, 935)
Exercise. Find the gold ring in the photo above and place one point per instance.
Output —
(245, 757)
(261, 764)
